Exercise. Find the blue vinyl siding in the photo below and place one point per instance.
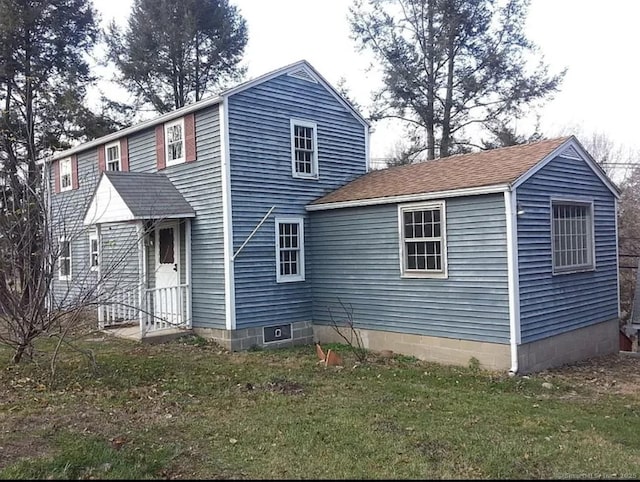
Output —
(260, 158)
(355, 259)
(553, 304)
(200, 184)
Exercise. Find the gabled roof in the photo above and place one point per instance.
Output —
(129, 196)
(480, 172)
(301, 65)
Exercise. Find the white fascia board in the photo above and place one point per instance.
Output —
(473, 191)
(586, 157)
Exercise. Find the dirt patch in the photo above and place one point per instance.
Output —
(277, 385)
(612, 374)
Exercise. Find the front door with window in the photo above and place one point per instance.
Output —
(167, 272)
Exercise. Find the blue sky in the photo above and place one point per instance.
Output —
(597, 41)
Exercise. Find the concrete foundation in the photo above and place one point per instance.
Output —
(245, 338)
(595, 340)
(447, 351)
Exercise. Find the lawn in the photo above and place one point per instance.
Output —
(188, 409)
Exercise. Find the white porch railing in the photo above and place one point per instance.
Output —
(165, 308)
(155, 309)
(122, 307)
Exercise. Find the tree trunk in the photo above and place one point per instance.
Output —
(430, 121)
(445, 143)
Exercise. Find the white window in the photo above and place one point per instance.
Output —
(304, 149)
(112, 154)
(64, 260)
(174, 142)
(423, 246)
(66, 173)
(93, 251)
(572, 234)
(289, 249)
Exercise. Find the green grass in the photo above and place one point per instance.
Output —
(188, 409)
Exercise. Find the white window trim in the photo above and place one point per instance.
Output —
(406, 273)
(182, 159)
(93, 236)
(62, 277)
(106, 155)
(591, 238)
(63, 163)
(314, 162)
(290, 220)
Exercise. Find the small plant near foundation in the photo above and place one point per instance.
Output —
(474, 364)
(342, 323)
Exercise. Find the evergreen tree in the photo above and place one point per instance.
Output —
(43, 79)
(450, 66)
(172, 53)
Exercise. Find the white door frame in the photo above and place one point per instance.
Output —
(176, 248)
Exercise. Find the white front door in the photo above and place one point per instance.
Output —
(167, 254)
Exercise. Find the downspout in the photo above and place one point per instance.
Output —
(511, 213)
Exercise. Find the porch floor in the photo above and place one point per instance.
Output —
(132, 332)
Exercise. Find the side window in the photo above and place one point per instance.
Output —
(572, 233)
(289, 249)
(66, 179)
(423, 240)
(93, 251)
(64, 260)
(304, 149)
(174, 142)
(112, 152)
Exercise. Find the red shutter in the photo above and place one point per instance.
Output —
(161, 162)
(102, 163)
(124, 154)
(74, 172)
(190, 137)
(56, 176)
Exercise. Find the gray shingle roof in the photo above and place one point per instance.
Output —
(150, 195)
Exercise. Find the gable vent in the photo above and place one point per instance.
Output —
(570, 153)
(303, 75)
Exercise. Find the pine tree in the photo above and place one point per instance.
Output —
(172, 53)
(451, 66)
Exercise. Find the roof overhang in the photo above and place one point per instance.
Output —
(472, 191)
(108, 206)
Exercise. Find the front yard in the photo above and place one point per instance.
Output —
(188, 409)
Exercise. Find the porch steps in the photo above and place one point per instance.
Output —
(132, 332)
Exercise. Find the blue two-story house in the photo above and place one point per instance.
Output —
(251, 218)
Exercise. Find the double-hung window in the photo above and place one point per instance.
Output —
(174, 142)
(66, 180)
(423, 240)
(304, 149)
(112, 152)
(572, 235)
(289, 249)
(93, 251)
(64, 259)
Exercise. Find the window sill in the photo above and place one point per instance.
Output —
(309, 178)
(424, 275)
(175, 162)
(290, 280)
(64, 278)
(585, 269)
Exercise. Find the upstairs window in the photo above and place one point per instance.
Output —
(64, 260)
(113, 156)
(174, 142)
(289, 249)
(66, 179)
(572, 234)
(423, 240)
(304, 151)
